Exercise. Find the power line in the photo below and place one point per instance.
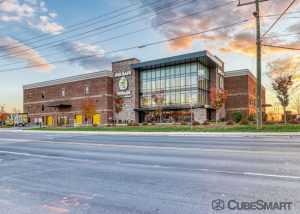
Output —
(146, 28)
(282, 35)
(83, 35)
(94, 21)
(278, 14)
(278, 19)
(281, 47)
(133, 47)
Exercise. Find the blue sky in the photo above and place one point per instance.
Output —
(31, 28)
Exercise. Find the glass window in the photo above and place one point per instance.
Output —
(63, 92)
(193, 68)
(86, 90)
(183, 100)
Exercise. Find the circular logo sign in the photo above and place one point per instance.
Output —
(123, 84)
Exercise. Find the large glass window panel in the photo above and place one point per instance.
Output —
(177, 82)
(182, 82)
(153, 85)
(168, 83)
(173, 98)
(188, 97)
(183, 100)
(188, 81)
(194, 96)
(194, 68)
(172, 83)
(163, 72)
(178, 98)
(157, 85)
(163, 84)
(194, 81)
(177, 71)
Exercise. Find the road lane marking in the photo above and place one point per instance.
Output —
(167, 148)
(15, 140)
(272, 175)
(253, 174)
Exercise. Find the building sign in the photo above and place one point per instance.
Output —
(123, 84)
(124, 93)
(122, 74)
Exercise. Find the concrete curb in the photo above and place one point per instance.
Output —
(244, 134)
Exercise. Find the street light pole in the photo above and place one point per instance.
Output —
(258, 58)
(258, 84)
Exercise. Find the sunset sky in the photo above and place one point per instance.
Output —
(36, 34)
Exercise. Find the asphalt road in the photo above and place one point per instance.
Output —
(98, 174)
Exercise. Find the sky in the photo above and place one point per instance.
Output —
(42, 40)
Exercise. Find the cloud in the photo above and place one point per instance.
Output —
(284, 66)
(32, 13)
(15, 48)
(45, 25)
(98, 59)
(245, 43)
(211, 19)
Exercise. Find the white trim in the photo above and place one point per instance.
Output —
(237, 73)
(67, 99)
(68, 112)
(104, 73)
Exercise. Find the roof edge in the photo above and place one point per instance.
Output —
(64, 80)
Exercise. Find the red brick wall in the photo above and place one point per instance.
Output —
(100, 90)
(242, 95)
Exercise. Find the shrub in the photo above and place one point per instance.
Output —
(133, 124)
(145, 124)
(252, 117)
(153, 123)
(296, 122)
(244, 122)
(183, 123)
(237, 116)
(205, 123)
(230, 122)
(196, 123)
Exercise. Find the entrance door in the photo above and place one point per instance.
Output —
(49, 121)
(96, 119)
(78, 119)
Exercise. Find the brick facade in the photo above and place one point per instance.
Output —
(241, 88)
(63, 99)
(123, 69)
(48, 99)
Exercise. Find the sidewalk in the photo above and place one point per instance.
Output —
(239, 134)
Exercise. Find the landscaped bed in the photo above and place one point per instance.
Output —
(180, 128)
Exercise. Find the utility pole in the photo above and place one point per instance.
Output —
(258, 58)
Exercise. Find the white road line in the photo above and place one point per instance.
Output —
(15, 140)
(170, 148)
(253, 174)
(272, 175)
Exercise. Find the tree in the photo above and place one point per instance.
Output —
(159, 101)
(218, 99)
(281, 85)
(88, 108)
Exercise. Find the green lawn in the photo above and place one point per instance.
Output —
(211, 128)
